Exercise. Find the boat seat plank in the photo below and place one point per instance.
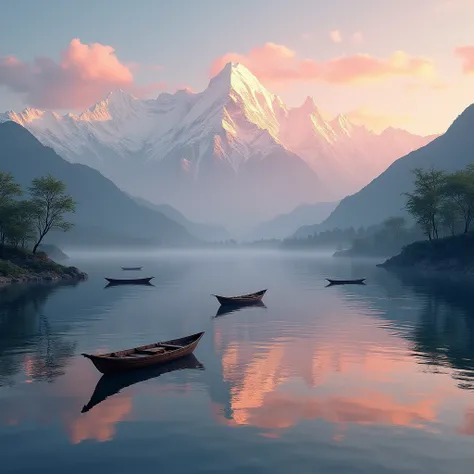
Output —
(171, 346)
(151, 351)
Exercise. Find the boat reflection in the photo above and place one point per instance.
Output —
(111, 384)
(223, 310)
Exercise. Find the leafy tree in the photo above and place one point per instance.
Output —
(459, 191)
(50, 204)
(449, 216)
(425, 202)
(8, 188)
(20, 229)
(8, 191)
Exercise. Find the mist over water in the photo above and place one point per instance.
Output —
(369, 378)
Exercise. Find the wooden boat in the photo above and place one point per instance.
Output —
(359, 281)
(145, 356)
(110, 384)
(129, 281)
(228, 309)
(131, 268)
(251, 298)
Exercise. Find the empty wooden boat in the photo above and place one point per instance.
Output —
(251, 298)
(145, 356)
(131, 268)
(110, 384)
(129, 281)
(359, 281)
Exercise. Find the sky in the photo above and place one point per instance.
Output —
(403, 63)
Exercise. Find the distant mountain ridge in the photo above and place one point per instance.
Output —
(234, 152)
(285, 225)
(104, 214)
(206, 232)
(383, 197)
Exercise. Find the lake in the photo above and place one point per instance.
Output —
(372, 379)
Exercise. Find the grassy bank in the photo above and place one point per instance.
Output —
(19, 265)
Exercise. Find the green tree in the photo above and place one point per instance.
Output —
(459, 191)
(449, 217)
(425, 203)
(8, 191)
(19, 228)
(50, 204)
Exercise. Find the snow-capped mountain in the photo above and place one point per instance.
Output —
(233, 153)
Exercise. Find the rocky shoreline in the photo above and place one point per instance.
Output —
(22, 266)
(450, 257)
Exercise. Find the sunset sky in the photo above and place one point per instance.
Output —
(405, 63)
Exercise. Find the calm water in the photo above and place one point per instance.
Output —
(360, 379)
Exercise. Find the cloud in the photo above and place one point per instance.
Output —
(335, 36)
(83, 75)
(377, 121)
(358, 37)
(466, 53)
(274, 63)
(449, 6)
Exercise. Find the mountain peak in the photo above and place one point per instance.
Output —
(234, 73)
(114, 102)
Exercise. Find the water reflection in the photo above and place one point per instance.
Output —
(111, 384)
(443, 334)
(226, 309)
(356, 366)
(26, 338)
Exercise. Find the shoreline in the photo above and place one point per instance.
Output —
(44, 277)
(18, 266)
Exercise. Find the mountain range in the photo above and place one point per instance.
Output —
(104, 215)
(233, 154)
(383, 197)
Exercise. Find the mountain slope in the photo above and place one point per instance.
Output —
(383, 197)
(234, 153)
(206, 232)
(102, 208)
(286, 225)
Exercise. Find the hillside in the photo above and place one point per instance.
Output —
(102, 208)
(383, 197)
(285, 225)
(205, 232)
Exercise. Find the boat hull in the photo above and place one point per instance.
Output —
(129, 281)
(131, 268)
(243, 300)
(108, 364)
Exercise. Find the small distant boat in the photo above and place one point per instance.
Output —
(359, 281)
(251, 298)
(131, 268)
(145, 356)
(129, 281)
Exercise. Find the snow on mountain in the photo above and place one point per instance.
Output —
(234, 150)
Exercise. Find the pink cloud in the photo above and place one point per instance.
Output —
(274, 63)
(466, 53)
(83, 75)
(377, 121)
(335, 36)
